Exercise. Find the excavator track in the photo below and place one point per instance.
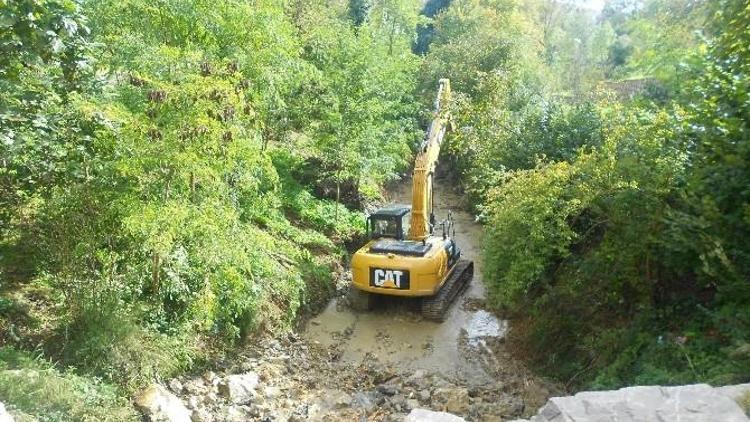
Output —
(436, 307)
(359, 300)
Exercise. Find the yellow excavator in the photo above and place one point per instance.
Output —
(409, 252)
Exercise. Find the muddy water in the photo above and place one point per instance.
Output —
(397, 335)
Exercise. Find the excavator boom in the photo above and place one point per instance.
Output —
(422, 218)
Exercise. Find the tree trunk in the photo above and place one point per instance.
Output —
(155, 264)
(338, 200)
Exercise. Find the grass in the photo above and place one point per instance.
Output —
(34, 389)
(744, 402)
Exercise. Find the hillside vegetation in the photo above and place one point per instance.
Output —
(169, 171)
(616, 213)
(179, 177)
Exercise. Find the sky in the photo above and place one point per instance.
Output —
(592, 4)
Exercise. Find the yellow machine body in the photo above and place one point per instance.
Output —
(426, 273)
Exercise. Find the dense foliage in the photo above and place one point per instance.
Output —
(615, 212)
(178, 176)
(168, 172)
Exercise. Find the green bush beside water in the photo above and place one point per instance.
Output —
(616, 225)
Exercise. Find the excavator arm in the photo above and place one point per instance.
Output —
(422, 217)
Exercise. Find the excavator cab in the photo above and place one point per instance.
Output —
(391, 222)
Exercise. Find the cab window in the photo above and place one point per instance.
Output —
(405, 224)
(384, 227)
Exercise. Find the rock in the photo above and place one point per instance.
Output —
(366, 401)
(412, 404)
(688, 403)
(306, 412)
(201, 415)
(237, 414)
(211, 378)
(211, 398)
(271, 392)
(195, 387)
(423, 415)
(394, 417)
(388, 390)
(175, 385)
(734, 392)
(417, 377)
(158, 404)
(398, 403)
(455, 400)
(193, 402)
(337, 399)
(4, 415)
(424, 395)
(513, 406)
(240, 388)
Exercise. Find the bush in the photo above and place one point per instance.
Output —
(112, 346)
(590, 258)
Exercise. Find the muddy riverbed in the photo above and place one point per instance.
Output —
(396, 334)
(378, 365)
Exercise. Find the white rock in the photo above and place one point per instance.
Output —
(210, 398)
(271, 392)
(202, 415)
(193, 402)
(336, 399)
(240, 388)
(158, 404)
(424, 415)
(689, 403)
(734, 392)
(175, 385)
(195, 386)
(4, 415)
(412, 404)
(417, 375)
(211, 378)
(237, 414)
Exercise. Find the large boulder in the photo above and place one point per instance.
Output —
(158, 404)
(689, 403)
(240, 388)
(734, 392)
(4, 415)
(424, 415)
